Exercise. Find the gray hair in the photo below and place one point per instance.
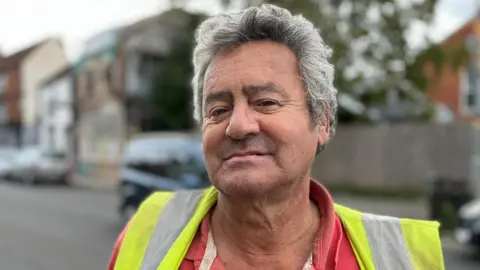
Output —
(269, 22)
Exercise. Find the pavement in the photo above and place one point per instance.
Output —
(62, 228)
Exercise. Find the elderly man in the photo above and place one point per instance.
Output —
(265, 100)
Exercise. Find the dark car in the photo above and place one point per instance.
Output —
(468, 232)
(161, 161)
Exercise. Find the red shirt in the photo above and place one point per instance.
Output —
(332, 250)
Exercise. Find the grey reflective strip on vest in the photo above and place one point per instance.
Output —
(175, 215)
(387, 244)
(385, 235)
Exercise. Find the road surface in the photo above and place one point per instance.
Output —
(59, 228)
(55, 228)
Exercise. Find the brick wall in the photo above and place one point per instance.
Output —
(12, 96)
(445, 88)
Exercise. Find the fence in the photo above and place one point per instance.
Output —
(398, 156)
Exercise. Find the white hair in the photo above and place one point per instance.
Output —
(269, 22)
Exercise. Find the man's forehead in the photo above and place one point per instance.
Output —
(224, 64)
(226, 71)
(265, 54)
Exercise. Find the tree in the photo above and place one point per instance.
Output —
(370, 39)
(170, 95)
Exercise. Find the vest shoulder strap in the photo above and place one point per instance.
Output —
(140, 230)
(384, 242)
(163, 228)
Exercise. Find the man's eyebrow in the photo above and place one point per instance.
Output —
(218, 96)
(250, 90)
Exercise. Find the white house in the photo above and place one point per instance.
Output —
(21, 74)
(57, 112)
(47, 59)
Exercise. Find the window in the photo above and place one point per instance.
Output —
(89, 77)
(51, 137)
(470, 87)
(53, 155)
(3, 83)
(51, 108)
(470, 79)
(109, 75)
(147, 68)
(29, 155)
(3, 112)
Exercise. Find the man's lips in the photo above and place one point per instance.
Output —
(247, 153)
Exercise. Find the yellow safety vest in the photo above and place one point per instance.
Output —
(160, 234)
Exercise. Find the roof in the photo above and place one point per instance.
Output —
(14, 60)
(465, 28)
(60, 74)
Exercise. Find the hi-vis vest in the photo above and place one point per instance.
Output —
(160, 234)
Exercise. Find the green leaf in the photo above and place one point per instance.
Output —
(170, 95)
(386, 40)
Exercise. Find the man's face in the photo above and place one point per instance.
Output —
(257, 131)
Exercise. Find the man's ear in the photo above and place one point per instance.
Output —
(323, 136)
(323, 133)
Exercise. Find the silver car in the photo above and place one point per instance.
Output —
(34, 165)
(7, 157)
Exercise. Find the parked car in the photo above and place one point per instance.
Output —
(468, 232)
(7, 157)
(34, 165)
(154, 162)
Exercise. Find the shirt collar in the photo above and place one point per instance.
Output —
(322, 198)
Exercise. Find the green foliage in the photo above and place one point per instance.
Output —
(171, 94)
(415, 70)
(440, 57)
(375, 32)
(372, 54)
(457, 55)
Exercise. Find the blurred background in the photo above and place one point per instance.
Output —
(95, 114)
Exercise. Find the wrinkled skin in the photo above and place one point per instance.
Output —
(254, 103)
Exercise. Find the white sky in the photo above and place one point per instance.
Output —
(23, 22)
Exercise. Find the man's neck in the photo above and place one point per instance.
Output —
(259, 230)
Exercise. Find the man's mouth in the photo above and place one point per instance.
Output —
(247, 153)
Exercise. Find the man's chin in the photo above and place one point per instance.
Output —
(246, 185)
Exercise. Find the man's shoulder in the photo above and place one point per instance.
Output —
(350, 213)
(419, 238)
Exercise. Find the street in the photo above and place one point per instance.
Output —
(56, 228)
(60, 228)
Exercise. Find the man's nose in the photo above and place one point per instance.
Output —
(243, 122)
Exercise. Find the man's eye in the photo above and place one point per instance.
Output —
(267, 103)
(217, 112)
